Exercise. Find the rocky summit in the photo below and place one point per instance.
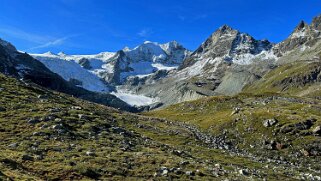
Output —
(236, 108)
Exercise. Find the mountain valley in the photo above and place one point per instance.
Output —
(236, 108)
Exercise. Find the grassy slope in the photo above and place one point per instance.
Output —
(246, 129)
(49, 136)
(122, 145)
(299, 78)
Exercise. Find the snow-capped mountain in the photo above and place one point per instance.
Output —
(221, 55)
(229, 60)
(230, 45)
(168, 73)
(140, 61)
(102, 71)
(208, 70)
(146, 59)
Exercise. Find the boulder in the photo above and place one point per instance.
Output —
(269, 122)
(163, 171)
(317, 130)
(13, 145)
(42, 97)
(297, 127)
(2, 109)
(243, 172)
(27, 158)
(90, 153)
(190, 173)
(33, 121)
(236, 110)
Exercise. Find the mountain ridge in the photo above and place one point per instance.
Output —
(223, 64)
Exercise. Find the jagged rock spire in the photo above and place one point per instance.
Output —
(225, 28)
(316, 23)
(301, 26)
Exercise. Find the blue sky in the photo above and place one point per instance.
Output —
(93, 26)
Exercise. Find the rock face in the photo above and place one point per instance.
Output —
(230, 45)
(228, 60)
(84, 62)
(316, 26)
(303, 34)
(223, 64)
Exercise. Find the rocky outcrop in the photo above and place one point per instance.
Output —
(223, 64)
(84, 62)
(311, 75)
(304, 34)
(229, 44)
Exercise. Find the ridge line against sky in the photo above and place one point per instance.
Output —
(93, 26)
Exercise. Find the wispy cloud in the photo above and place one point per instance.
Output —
(146, 32)
(55, 42)
(19, 34)
(38, 41)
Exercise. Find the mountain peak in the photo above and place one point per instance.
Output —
(172, 43)
(316, 23)
(301, 30)
(149, 42)
(49, 53)
(7, 45)
(231, 45)
(225, 28)
(126, 49)
(302, 25)
(62, 54)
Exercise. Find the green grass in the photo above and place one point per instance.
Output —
(246, 128)
(145, 145)
(292, 79)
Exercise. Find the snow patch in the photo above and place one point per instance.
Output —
(197, 68)
(304, 47)
(299, 34)
(103, 56)
(134, 99)
(159, 66)
(247, 58)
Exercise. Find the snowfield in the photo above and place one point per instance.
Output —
(71, 70)
(134, 99)
(159, 66)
